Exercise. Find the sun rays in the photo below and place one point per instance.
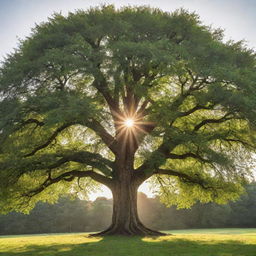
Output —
(130, 129)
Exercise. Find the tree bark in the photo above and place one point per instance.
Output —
(125, 219)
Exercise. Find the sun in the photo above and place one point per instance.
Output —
(129, 122)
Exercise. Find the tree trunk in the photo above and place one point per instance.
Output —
(125, 219)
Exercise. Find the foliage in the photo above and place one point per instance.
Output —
(67, 87)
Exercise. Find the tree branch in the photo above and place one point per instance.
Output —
(103, 134)
(142, 109)
(186, 155)
(50, 139)
(70, 176)
(93, 124)
(213, 121)
(85, 157)
(184, 177)
(32, 121)
(192, 110)
(244, 143)
(101, 85)
(161, 154)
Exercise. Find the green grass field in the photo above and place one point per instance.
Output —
(198, 242)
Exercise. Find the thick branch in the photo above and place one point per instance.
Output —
(192, 110)
(213, 121)
(93, 124)
(103, 89)
(84, 157)
(100, 84)
(69, 176)
(103, 134)
(33, 121)
(184, 177)
(50, 139)
(186, 155)
(142, 110)
(161, 153)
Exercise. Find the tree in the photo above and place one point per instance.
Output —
(120, 96)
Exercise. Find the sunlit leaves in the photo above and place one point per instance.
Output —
(184, 194)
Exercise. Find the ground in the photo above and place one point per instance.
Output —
(198, 242)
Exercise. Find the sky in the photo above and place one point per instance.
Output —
(17, 17)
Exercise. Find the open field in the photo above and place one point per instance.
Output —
(198, 242)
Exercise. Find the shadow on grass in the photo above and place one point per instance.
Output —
(137, 246)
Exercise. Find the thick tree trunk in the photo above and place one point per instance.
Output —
(125, 219)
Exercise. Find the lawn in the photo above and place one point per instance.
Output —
(198, 242)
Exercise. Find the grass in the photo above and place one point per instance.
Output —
(198, 242)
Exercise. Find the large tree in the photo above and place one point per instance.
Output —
(120, 96)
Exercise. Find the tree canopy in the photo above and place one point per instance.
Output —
(68, 88)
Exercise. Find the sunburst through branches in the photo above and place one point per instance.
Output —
(130, 128)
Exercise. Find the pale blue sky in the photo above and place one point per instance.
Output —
(17, 17)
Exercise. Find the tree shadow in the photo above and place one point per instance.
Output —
(137, 246)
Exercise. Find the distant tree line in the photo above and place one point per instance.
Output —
(84, 216)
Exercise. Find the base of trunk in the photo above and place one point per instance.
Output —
(139, 230)
(125, 219)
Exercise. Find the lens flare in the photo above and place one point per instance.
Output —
(129, 122)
